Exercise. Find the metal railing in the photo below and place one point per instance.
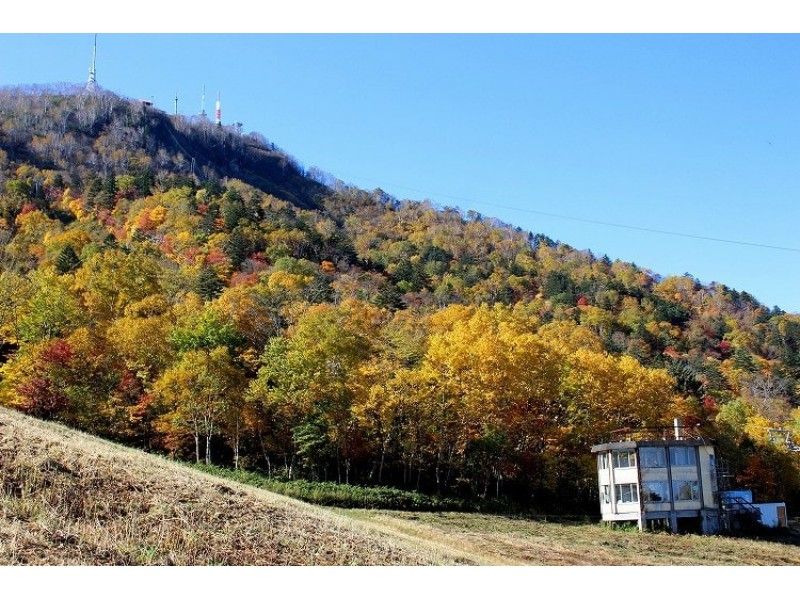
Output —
(665, 433)
(738, 513)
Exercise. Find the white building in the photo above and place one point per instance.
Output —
(659, 484)
(671, 483)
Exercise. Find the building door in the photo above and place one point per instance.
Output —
(782, 522)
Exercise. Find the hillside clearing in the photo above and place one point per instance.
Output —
(503, 540)
(69, 498)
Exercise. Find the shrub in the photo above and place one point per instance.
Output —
(349, 496)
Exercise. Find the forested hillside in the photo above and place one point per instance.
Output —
(190, 289)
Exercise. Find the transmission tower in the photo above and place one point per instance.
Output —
(91, 83)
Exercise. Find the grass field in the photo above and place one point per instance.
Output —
(499, 540)
(70, 498)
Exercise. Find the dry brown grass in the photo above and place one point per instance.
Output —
(494, 539)
(69, 498)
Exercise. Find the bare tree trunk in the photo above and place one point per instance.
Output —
(265, 455)
(196, 444)
(383, 458)
(236, 446)
(437, 469)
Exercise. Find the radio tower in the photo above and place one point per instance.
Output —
(218, 112)
(91, 83)
(203, 104)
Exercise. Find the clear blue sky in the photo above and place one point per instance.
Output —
(695, 134)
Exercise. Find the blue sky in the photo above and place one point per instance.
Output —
(694, 134)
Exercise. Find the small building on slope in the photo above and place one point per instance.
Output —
(659, 483)
(668, 480)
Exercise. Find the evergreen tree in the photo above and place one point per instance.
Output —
(67, 260)
(233, 209)
(237, 248)
(208, 284)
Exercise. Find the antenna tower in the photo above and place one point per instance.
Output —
(176, 103)
(218, 112)
(91, 83)
(203, 103)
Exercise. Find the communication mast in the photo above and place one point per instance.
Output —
(176, 103)
(203, 104)
(91, 83)
(218, 112)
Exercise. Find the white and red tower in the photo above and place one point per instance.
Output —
(91, 83)
(218, 112)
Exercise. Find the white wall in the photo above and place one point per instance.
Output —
(769, 513)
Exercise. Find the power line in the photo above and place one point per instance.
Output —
(597, 222)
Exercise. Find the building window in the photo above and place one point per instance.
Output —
(624, 459)
(685, 490)
(626, 492)
(682, 456)
(655, 491)
(653, 456)
(602, 461)
(605, 495)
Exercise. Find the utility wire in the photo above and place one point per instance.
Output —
(597, 222)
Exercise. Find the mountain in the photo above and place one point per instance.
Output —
(185, 288)
(100, 134)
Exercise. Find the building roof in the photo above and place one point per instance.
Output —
(630, 444)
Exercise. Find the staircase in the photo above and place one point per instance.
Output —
(738, 514)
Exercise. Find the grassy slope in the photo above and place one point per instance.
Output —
(503, 540)
(70, 498)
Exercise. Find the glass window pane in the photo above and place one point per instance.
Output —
(627, 493)
(682, 456)
(685, 490)
(679, 489)
(624, 459)
(655, 492)
(653, 456)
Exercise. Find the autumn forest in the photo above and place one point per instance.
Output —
(193, 290)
